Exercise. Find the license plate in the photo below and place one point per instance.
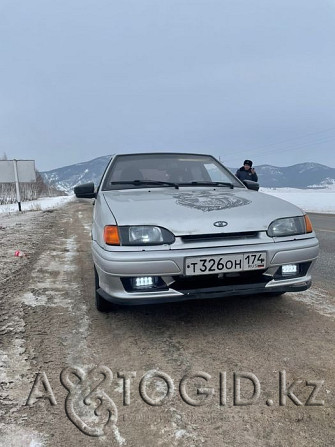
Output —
(205, 265)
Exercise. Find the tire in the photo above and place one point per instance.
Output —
(101, 304)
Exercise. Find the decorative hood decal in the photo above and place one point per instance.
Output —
(210, 200)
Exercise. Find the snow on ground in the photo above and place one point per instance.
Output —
(44, 203)
(311, 200)
(318, 200)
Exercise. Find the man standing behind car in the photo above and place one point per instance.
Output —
(246, 172)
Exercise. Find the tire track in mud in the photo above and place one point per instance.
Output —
(318, 299)
(44, 322)
(15, 274)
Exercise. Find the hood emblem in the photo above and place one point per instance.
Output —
(220, 223)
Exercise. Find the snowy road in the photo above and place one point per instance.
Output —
(51, 334)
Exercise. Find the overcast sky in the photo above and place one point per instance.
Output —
(233, 78)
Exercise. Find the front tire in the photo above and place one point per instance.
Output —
(101, 304)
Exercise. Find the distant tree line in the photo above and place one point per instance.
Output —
(28, 191)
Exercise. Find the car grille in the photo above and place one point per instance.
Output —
(219, 236)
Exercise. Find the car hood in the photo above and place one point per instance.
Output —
(195, 210)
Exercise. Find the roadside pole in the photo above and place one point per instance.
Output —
(18, 197)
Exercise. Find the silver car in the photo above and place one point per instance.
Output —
(175, 226)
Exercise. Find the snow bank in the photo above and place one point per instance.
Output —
(44, 203)
(310, 200)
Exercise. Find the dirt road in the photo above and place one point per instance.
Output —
(204, 373)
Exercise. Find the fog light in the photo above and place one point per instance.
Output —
(289, 269)
(143, 282)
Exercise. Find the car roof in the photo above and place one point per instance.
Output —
(163, 153)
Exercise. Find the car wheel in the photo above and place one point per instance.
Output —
(101, 304)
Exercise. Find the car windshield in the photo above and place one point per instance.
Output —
(167, 170)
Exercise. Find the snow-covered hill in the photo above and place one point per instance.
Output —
(303, 175)
(69, 176)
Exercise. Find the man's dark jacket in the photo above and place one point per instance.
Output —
(244, 174)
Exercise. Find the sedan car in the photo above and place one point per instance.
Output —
(180, 226)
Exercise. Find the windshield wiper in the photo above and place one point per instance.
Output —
(145, 182)
(230, 185)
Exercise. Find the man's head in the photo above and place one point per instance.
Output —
(247, 164)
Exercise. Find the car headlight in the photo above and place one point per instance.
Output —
(290, 226)
(145, 235)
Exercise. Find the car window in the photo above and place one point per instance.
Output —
(215, 174)
(176, 168)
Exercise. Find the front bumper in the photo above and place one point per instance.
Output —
(113, 266)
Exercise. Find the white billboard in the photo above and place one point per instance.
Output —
(25, 171)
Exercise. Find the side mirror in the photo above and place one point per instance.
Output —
(251, 185)
(85, 191)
